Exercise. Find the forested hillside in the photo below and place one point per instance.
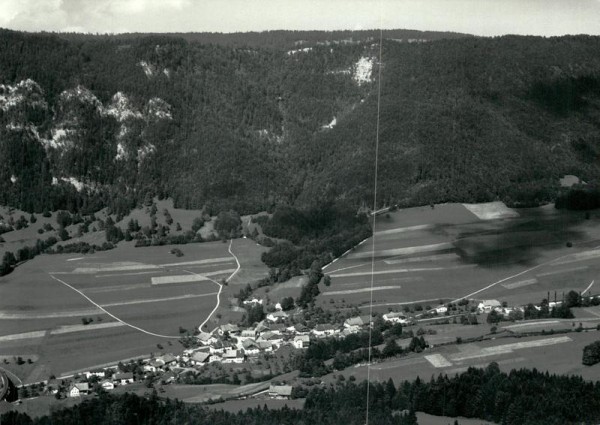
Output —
(289, 118)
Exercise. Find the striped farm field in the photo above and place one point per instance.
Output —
(558, 354)
(136, 298)
(477, 251)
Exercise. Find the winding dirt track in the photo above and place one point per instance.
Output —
(137, 328)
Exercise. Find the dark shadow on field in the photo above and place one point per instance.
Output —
(515, 241)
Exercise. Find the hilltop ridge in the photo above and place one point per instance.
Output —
(108, 121)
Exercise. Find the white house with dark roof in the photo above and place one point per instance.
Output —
(78, 389)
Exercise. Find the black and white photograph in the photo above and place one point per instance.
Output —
(324, 212)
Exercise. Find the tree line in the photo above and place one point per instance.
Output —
(520, 397)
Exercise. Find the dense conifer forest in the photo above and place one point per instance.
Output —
(246, 123)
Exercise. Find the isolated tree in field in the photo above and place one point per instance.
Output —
(228, 223)
(287, 303)
(391, 348)
(9, 258)
(63, 218)
(63, 234)
(494, 317)
(573, 299)
(327, 280)
(196, 224)
(133, 226)
(168, 218)
(254, 314)
(591, 354)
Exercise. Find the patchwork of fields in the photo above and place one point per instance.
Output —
(423, 255)
(137, 298)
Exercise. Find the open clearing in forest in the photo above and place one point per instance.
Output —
(479, 251)
(43, 302)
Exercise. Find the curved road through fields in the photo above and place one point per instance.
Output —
(220, 286)
(137, 328)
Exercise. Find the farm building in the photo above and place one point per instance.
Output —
(156, 363)
(260, 328)
(441, 309)
(97, 373)
(277, 316)
(299, 329)
(272, 337)
(123, 378)
(486, 306)
(394, 317)
(321, 331)
(229, 328)
(250, 347)
(248, 333)
(79, 389)
(265, 346)
(167, 359)
(149, 368)
(200, 358)
(280, 391)
(107, 384)
(205, 338)
(168, 378)
(232, 356)
(220, 347)
(278, 328)
(358, 321)
(570, 180)
(53, 385)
